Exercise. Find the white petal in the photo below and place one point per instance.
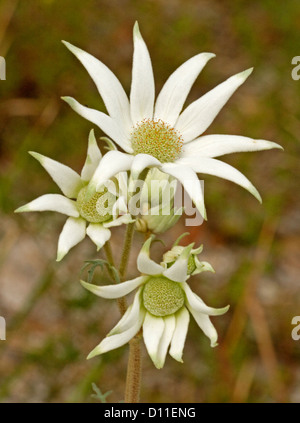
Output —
(130, 316)
(178, 339)
(112, 163)
(120, 207)
(145, 264)
(142, 86)
(93, 158)
(117, 290)
(205, 324)
(108, 85)
(220, 169)
(103, 121)
(66, 178)
(51, 202)
(140, 162)
(189, 180)
(197, 117)
(98, 234)
(115, 341)
(218, 145)
(198, 304)
(202, 266)
(175, 91)
(153, 328)
(178, 271)
(122, 220)
(73, 232)
(165, 341)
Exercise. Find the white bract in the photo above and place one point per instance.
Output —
(92, 217)
(161, 308)
(158, 133)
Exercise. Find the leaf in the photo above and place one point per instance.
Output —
(93, 264)
(98, 394)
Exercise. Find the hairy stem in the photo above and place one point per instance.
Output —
(126, 249)
(109, 255)
(134, 371)
(133, 379)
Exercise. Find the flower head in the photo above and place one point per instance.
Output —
(195, 266)
(158, 133)
(161, 307)
(93, 216)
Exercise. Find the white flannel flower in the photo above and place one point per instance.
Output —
(195, 266)
(161, 308)
(158, 133)
(91, 217)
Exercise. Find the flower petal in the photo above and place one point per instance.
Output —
(178, 271)
(103, 121)
(153, 328)
(108, 85)
(222, 170)
(130, 316)
(140, 162)
(189, 180)
(98, 234)
(198, 304)
(205, 324)
(202, 266)
(115, 341)
(122, 220)
(165, 341)
(175, 91)
(142, 86)
(218, 145)
(66, 178)
(92, 159)
(51, 202)
(112, 163)
(73, 232)
(197, 117)
(144, 263)
(120, 207)
(117, 290)
(180, 332)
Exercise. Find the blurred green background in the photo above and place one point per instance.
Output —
(52, 323)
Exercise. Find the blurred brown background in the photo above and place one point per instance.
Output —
(52, 323)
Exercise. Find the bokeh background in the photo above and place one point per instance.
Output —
(52, 323)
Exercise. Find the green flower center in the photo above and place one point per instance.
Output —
(158, 139)
(97, 209)
(162, 296)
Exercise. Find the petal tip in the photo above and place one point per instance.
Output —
(35, 155)
(136, 30)
(21, 209)
(244, 75)
(60, 256)
(96, 351)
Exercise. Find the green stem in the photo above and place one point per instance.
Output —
(109, 255)
(126, 249)
(133, 379)
(134, 371)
